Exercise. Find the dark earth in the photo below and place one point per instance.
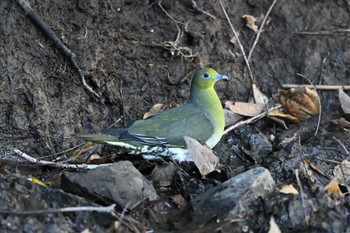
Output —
(135, 54)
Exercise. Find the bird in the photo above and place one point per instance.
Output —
(201, 118)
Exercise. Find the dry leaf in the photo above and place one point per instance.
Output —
(245, 109)
(342, 172)
(301, 102)
(289, 189)
(279, 113)
(274, 228)
(154, 110)
(344, 101)
(231, 117)
(259, 97)
(344, 123)
(234, 39)
(203, 157)
(179, 200)
(333, 188)
(315, 168)
(250, 22)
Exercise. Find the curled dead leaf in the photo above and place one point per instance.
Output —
(250, 22)
(301, 102)
(245, 109)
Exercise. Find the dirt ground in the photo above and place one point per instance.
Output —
(135, 54)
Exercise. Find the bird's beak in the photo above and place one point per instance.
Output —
(221, 77)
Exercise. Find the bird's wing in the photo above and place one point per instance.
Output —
(170, 126)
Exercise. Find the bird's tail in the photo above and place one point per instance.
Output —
(99, 138)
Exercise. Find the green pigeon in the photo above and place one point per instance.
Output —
(201, 118)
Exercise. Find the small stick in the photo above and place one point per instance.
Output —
(260, 30)
(323, 33)
(100, 209)
(197, 8)
(250, 120)
(238, 41)
(318, 87)
(56, 41)
(58, 165)
(296, 172)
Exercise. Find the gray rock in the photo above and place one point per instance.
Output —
(228, 199)
(120, 182)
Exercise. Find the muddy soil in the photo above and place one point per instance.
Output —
(135, 54)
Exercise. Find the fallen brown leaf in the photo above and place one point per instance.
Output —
(344, 123)
(289, 189)
(154, 110)
(279, 113)
(301, 102)
(259, 97)
(179, 200)
(245, 109)
(250, 22)
(344, 101)
(231, 117)
(333, 188)
(203, 157)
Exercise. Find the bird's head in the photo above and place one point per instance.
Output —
(206, 78)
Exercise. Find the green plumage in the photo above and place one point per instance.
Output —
(201, 118)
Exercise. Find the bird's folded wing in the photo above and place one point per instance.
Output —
(169, 127)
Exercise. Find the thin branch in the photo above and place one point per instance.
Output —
(200, 10)
(100, 209)
(318, 87)
(323, 33)
(238, 41)
(56, 41)
(250, 120)
(57, 164)
(260, 30)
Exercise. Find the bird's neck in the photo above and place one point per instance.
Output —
(209, 101)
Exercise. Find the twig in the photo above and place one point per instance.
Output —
(238, 41)
(250, 120)
(56, 41)
(100, 209)
(173, 46)
(66, 151)
(260, 30)
(197, 8)
(296, 172)
(323, 33)
(56, 164)
(318, 87)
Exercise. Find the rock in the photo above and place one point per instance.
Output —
(229, 199)
(120, 182)
(17, 194)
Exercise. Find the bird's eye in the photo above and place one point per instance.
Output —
(206, 75)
